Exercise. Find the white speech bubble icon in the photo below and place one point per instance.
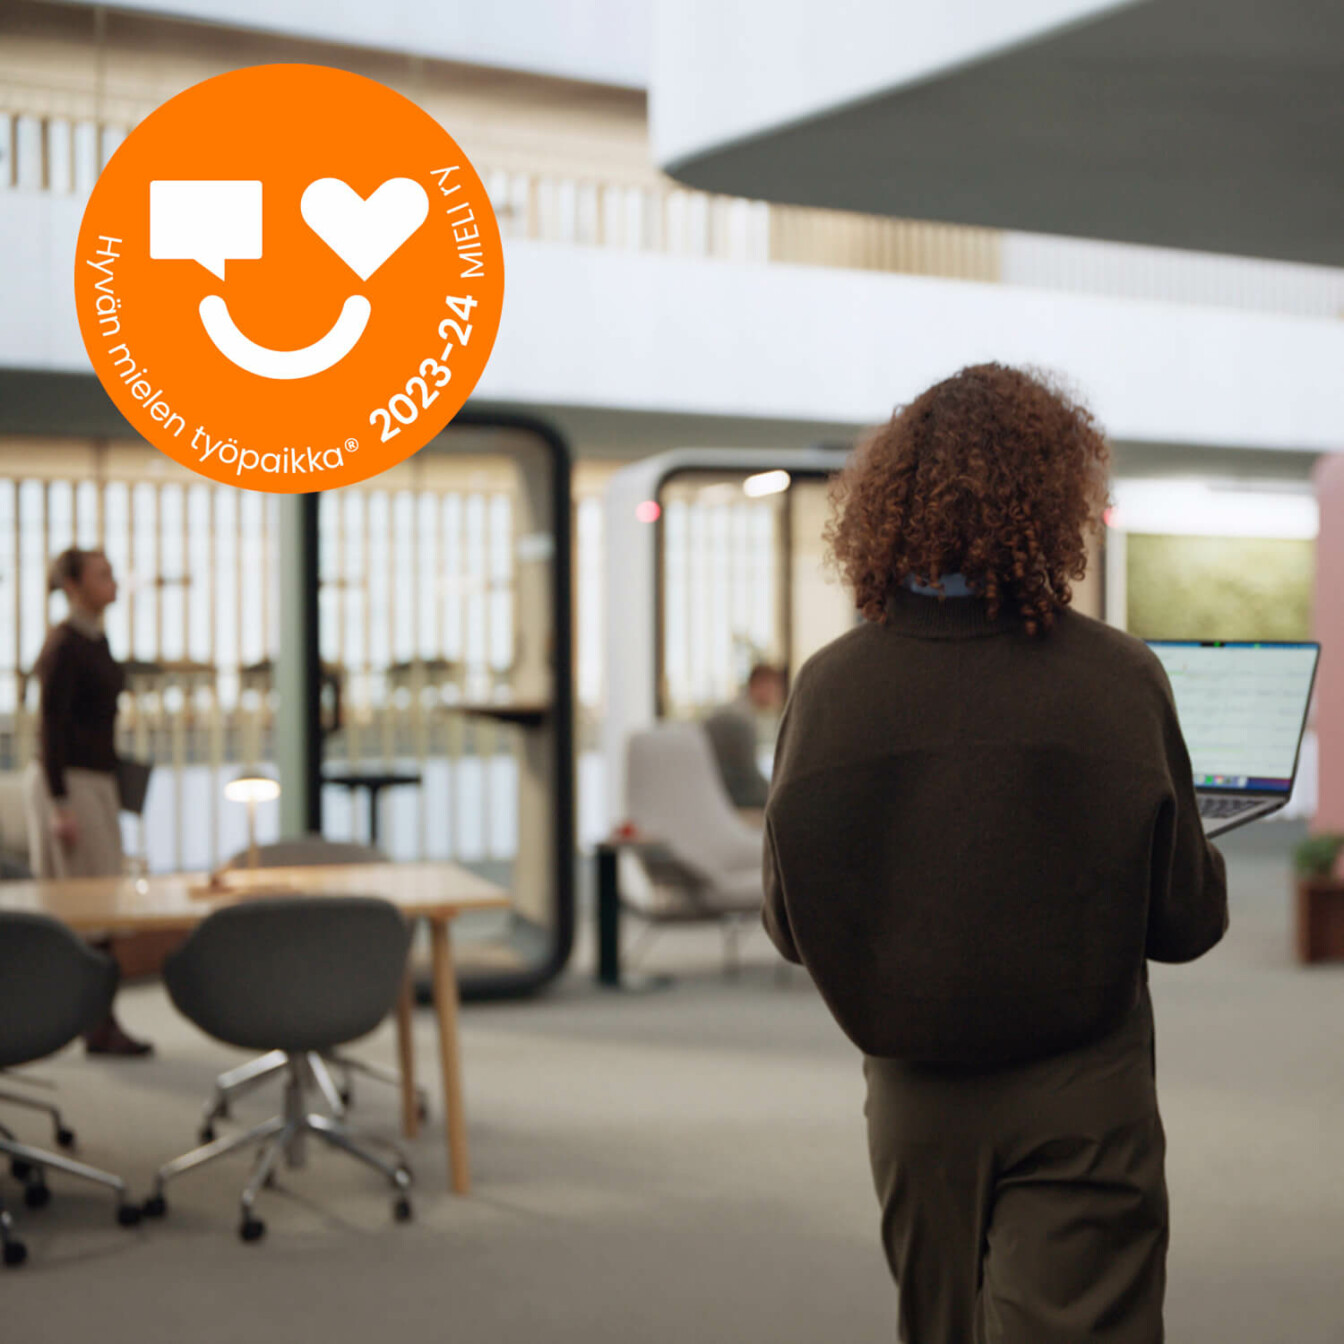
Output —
(207, 222)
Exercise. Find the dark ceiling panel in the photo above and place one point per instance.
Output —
(1216, 125)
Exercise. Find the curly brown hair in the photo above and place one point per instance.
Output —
(995, 473)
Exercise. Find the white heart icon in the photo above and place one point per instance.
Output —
(364, 233)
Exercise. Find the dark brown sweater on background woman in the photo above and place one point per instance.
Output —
(80, 684)
(975, 837)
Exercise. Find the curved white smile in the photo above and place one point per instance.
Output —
(268, 363)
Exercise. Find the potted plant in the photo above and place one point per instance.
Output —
(1320, 897)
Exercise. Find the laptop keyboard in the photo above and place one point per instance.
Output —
(1210, 805)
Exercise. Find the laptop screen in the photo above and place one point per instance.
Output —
(1242, 708)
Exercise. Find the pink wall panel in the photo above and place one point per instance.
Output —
(1329, 620)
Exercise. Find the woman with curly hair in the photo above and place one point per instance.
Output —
(981, 825)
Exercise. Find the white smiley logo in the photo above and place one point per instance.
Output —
(213, 222)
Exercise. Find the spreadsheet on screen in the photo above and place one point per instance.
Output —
(1241, 707)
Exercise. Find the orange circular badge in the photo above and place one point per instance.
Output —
(289, 278)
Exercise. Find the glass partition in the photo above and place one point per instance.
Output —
(741, 580)
(195, 623)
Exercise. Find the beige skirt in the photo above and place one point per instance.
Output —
(92, 796)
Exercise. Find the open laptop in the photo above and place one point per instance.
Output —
(1243, 708)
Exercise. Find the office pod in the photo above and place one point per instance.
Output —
(396, 654)
(440, 684)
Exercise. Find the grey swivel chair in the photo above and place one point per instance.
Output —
(53, 987)
(303, 851)
(14, 869)
(302, 975)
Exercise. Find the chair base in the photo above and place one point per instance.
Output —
(284, 1135)
(15, 1252)
(239, 1081)
(30, 1165)
(731, 923)
(65, 1138)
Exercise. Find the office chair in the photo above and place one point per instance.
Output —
(53, 987)
(300, 975)
(301, 852)
(702, 861)
(12, 869)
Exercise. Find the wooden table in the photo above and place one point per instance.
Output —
(434, 892)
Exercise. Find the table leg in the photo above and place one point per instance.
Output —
(445, 1006)
(410, 1109)
(608, 917)
(609, 972)
(373, 816)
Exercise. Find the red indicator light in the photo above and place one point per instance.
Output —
(648, 511)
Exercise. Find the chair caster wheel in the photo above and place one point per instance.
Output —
(65, 1138)
(128, 1215)
(252, 1229)
(154, 1207)
(206, 1134)
(15, 1253)
(401, 1210)
(20, 1170)
(37, 1195)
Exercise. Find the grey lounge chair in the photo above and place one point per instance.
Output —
(53, 987)
(701, 860)
(301, 975)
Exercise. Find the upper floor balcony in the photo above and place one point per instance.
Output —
(629, 292)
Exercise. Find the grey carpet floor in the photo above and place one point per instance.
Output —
(682, 1166)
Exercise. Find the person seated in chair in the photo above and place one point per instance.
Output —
(732, 734)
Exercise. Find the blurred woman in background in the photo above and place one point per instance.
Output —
(74, 823)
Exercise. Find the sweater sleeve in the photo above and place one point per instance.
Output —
(1187, 912)
(774, 914)
(56, 675)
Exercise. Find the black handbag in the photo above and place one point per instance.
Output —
(132, 783)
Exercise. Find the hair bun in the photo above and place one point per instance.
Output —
(66, 568)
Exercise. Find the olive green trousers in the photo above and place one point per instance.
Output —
(1025, 1205)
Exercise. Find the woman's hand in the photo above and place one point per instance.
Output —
(64, 827)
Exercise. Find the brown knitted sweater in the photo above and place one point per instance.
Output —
(976, 837)
(80, 683)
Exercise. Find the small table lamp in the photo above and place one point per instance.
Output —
(252, 787)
